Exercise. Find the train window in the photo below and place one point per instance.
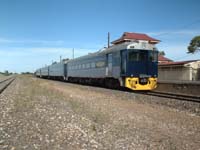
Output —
(88, 65)
(142, 55)
(83, 66)
(100, 64)
(93, 65)
(153, 56)
(137, 55)
(133, 56)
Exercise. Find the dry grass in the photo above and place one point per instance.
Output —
(34, 88)
(95, 115)
(31, 91)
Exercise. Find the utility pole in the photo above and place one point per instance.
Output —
(73, 53)
(108, 39)
(60, 58)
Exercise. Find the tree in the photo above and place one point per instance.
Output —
(27, 73)
(161, 53)
(194, 45)
(6, 72)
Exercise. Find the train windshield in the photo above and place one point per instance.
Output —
(143, 55)
(136, 55)
(153, 56)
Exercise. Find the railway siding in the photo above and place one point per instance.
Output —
(4, 83)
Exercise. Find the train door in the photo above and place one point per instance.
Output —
(47, 72)
(123, 62)
(40, 73)
(109, 65)
(65, 71)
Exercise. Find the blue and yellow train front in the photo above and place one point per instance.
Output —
(141, 69)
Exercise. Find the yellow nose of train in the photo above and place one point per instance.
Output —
(141, 84)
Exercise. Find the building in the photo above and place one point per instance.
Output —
(129, 36)
(162, 59)
(183, 70)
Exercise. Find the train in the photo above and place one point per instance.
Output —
(130, 62)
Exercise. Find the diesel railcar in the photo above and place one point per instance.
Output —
(130, 64)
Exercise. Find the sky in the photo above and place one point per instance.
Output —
(33, 33)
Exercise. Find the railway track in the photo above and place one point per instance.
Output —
(5, 83)
(182, 97)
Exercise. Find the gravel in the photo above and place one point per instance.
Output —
(42, 114)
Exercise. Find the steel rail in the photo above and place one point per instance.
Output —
(183, 97)
(7, 84)
(5, 80)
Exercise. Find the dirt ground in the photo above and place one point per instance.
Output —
(48, 115)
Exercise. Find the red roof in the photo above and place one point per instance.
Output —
(162, 58)
(135, 36)
(177, 63)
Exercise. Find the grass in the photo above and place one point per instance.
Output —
(95, 115)
(33, 90)
(1, 75)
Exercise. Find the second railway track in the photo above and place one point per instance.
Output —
(5, 83)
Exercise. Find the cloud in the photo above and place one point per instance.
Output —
(20, 59)
(2, 40)
(43, 51)
(43, 42)
(178, 52)
(171, 33)
(175, 43)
